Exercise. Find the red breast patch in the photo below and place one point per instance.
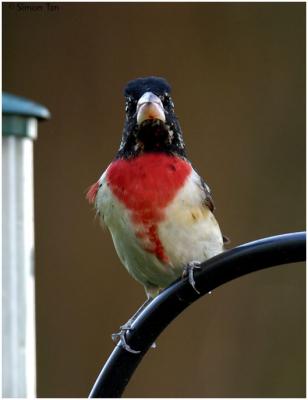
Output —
(146, 185)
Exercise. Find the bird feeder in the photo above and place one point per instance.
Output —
(19, 128)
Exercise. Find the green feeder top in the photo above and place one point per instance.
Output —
(15, 105)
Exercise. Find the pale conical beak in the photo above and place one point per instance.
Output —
(149, 106)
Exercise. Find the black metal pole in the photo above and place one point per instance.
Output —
(250, 257)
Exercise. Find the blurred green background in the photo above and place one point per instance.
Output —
(238, 77)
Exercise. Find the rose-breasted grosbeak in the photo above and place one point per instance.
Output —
(158, 209)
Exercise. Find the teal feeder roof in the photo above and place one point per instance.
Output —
(15, 105)
(20, 116)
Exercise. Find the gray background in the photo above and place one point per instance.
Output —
(238, 77)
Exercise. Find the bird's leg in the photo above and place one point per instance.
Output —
(128, 324)
(189, 270)
(120, 336)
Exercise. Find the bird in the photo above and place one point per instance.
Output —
(158, 209)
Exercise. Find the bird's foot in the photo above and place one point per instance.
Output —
(120, 337)
(189, 271)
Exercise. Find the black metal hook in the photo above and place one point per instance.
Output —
(239, 261)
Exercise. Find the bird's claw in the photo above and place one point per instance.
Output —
(189, 270)
(119, 337)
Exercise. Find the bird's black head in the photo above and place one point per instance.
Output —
(151, 124)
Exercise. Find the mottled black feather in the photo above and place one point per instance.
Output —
(138, 87)
(151, 135)
(208, 200)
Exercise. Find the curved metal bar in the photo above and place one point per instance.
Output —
(239, 261)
